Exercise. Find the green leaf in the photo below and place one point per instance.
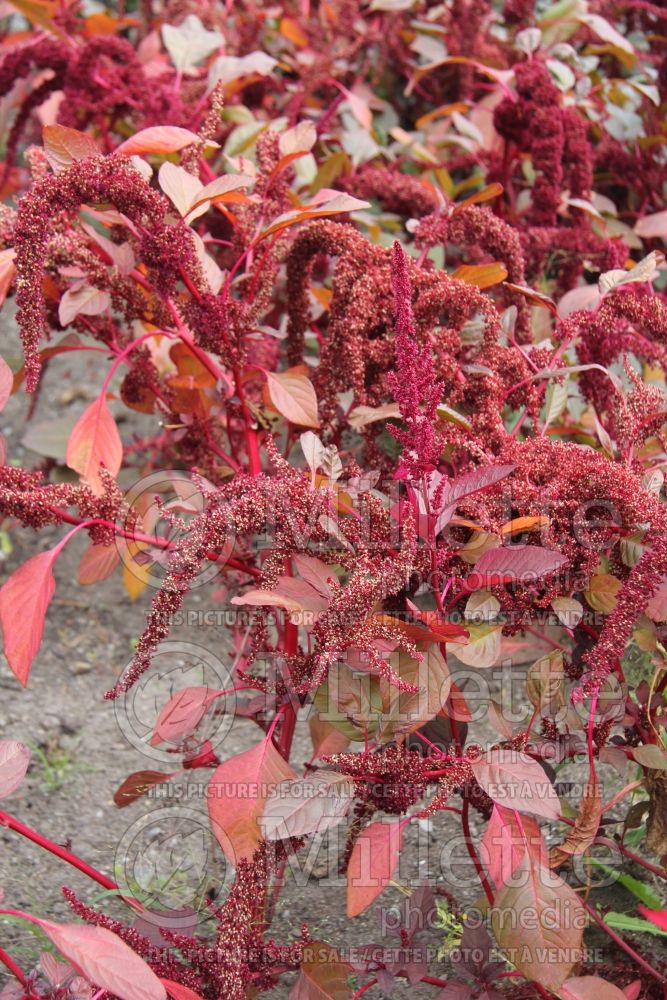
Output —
(639, 889)
(626, 922)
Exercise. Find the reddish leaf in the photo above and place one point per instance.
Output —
(178, 991)
(583, 833)
(335, 205)
(98, 563)
(101, 957)
(590, 988)
(534, 297)
(14, 760)
(136, 785)
(83, 300)
(95, 441)
(323, 976)
(23, 602)
(657, 917)
(372, 863)
(65, 145)
(182, 714)
(466, 485)
(538, 921)
(506, 841)
(325, 738)
(157, 139)
(236, 795)
(522, 563)
(516, 781)
(294, 398)
(307, 805)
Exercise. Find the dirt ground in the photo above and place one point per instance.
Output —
(83, 746)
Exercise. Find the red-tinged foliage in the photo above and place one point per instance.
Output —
(372, 864)
(24, 600)
(377, 296)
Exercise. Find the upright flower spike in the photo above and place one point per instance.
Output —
(414, 383)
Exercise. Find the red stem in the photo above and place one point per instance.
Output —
(15, 969)
(60, 852)
(617, 939)
(137, 536)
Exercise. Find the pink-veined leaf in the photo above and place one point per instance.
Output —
(505, 842)
(590, 988)
(516, 781)
(98, 563)
(307, 805)
(335, 205)
(63, 146)
(83, 300)
(236, 795)
(158, 139)
(325, 738)
(294, 398)
(372, 863)
(222, 189)
(182, 714)
(24, 599)
(14, 760)
(294, 603)
(466, 485)
(101, 957)
(95, 441)
(121, 255)
(520, 563)
(56, 972)
(546, 945)
(315, 573)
